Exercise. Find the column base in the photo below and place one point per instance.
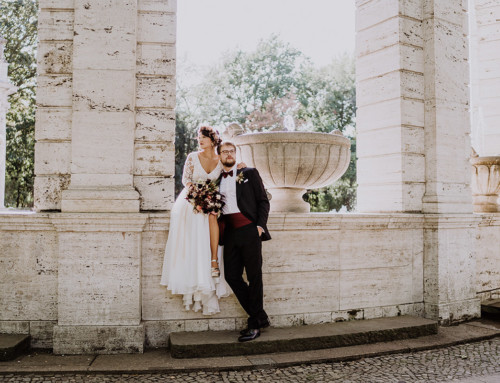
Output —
(486, 203)
(455, 312)
(99, 339)
(114, 200)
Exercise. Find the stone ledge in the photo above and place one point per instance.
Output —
(98, 339)
(313, 337)
(350, 221)
(13, 345)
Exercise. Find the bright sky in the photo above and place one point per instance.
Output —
(321, 29)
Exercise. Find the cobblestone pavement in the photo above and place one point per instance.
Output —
(473, 362)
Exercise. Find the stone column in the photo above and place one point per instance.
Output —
(390, 100)
(447, 101)
(105, 131)
(413, 136)
(106, 98)
(485, 22)
(6, 88)
(103, 121)
(450, 227)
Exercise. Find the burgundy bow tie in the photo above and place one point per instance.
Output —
(225, 174)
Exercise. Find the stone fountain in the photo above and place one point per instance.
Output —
(291, 162)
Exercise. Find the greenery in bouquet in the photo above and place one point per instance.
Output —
(205, 197)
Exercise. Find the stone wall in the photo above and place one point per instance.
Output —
(323, 279)
(318, 268)
(28, 276)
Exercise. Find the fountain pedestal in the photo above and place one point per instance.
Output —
(485, 184)
(288, 200)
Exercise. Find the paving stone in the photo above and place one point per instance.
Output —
(466, 363)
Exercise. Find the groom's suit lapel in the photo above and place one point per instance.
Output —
(238, 187)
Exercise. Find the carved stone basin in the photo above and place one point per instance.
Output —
(485, 183)
(291, 162)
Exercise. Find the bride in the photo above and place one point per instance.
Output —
(193, 263)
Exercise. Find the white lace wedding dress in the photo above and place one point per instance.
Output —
(186, 266)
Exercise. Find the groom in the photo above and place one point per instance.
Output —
(244, 217)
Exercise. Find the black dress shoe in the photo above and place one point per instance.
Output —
(264, 325)
(251, 334)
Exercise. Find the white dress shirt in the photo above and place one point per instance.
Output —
(228, 189)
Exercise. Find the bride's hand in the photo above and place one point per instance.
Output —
(241, 165)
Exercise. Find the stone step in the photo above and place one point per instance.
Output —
(13, 345)
(300, 338)
(491, 306)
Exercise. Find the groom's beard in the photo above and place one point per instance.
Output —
(229, 162)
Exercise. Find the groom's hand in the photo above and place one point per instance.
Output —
(260, 230)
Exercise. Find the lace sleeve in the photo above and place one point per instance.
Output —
(187, 174)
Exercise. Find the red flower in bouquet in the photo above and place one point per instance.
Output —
(205, 197)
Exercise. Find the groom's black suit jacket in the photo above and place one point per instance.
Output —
(252, 199)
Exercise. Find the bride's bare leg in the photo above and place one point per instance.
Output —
(214, 241)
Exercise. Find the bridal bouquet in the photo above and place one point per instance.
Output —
(205, 197)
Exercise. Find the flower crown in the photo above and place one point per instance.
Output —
(212, 133)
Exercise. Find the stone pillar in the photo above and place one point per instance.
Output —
(6, 88)
(413, 136)
(106, 95)
(486, 71)
(450, 227)
(390, 100)
(447, 101)
(103, 123)
(105, 130)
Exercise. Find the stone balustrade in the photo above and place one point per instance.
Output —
(486, 184)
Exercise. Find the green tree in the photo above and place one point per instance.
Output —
(185, 143)
(258, 89)
(328, 96)
(248, 82)
(18, 26)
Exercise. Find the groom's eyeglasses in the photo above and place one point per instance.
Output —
(226, 152)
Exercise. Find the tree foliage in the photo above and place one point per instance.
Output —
(260, 89)
(185, 143)
(18, 26)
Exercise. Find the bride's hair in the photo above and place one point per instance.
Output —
(211, 133)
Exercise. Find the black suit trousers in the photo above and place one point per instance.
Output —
(243, 250)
